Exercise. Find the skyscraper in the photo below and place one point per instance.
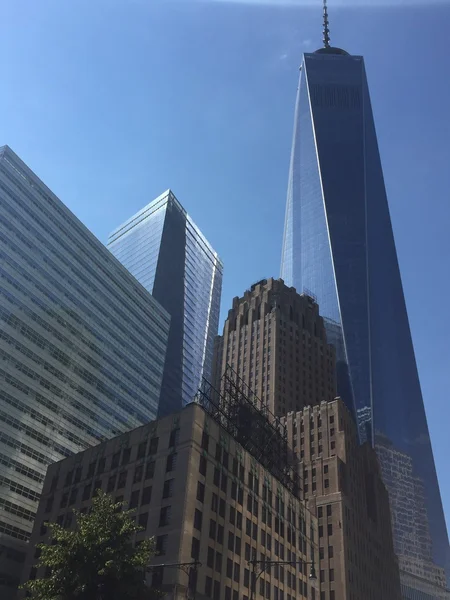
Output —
(82, 347)
(164, 249)
(275, 340)
(338, 242)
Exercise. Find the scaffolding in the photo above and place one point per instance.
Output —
(236, 408)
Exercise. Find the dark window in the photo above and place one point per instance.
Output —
(54, 483)
(115, 461)
(255, 532)
(332, 419)
(331, 574)
(208, 587)
(330, 552)
(134, 499)
(150, 469)
(237, 548)
(91, 469)
(200, 491)
(203, 465)
(237, 572)
(233, 490)
(321, 553)
(146, 495)
(229, 568)
(143, 520)
(64, 500)
(73, 496)
(195, 548)
(320, 531)
(216, 595)
(122, 480)
(171, 462)
(327, 483)
(111, 484)
(86, 492)
(239, 520)
(138, 473)
(161, 544)
(220, 532)
(218, 566)
(332, 595)
(320, 512)
(230, 541)
(77, 477)
(205, 441)
(216, 477)
(214, 502)
(142, 448)
(218, 451)
(240, 496)
(168, 488)
(330, 528)
(69, 477)
(198, 517)
(232, 515)
(164, 516)
(225, 459)
(222, 508)
(325, 469)
(235, 466)
(212, 529)
(329, 509)
(49, 504)
(43, 529)
(227, 593)
(248, 527)
(174, 437)
(153, 445)
(246, 578)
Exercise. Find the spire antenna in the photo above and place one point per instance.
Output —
(326, 30)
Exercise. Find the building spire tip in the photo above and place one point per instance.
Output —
(326, 30)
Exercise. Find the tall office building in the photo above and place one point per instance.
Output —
(338, 242)
(82, 348)
(275, 340)
(341, 483)
(164, 249)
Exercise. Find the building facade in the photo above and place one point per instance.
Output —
(338, 242)
(82, 347)
(164, 249)
(342, 484)
(275, 340)
(204, 498)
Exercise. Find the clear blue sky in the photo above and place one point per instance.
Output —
(111, 102)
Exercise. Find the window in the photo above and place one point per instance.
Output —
(332, 595)
(331, 575)
(329, 509)
(225, 458)
(325, 469)
(203, 465)
(239, 520)
(134, 499)
(222, 508)
(141, 450)
(146, 495)
(237, 548)
(114, 462)
(205, 441)
(198, 517)
(223, 483)
(321, 553)
(49, 504)
(86, 492)
(227, 593)
(216, 478)
(168, 488)
(232, 515)
(69, 477)
(195, 548)
(216, 595)
(174, 437)
(143, 520)
(218, 451)
(77, 477)
(220, 532)
(320, 511)
(164, 516)
(150, 469)
(231, 541)
(161, 544)
(333, 445)
(237, 572)
(111, 484)
(153, 445)
(208, 587)
(331, 419)
(255, 532)
(126, 456)
(200, 491)
(138, 473)
(214, 502)
(212, 529)
(122, 480)
(91, 469)
(320, 531)
(240, 495)
(246, 578)
(229, 568)
(248, 526)
(322, 575)
(330, 528)
(171, 462)
(330, 552)
(64, 500)
(218, 566)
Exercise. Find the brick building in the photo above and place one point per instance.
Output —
(275, 339)
(341, 482)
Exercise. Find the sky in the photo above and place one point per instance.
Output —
(111, 102)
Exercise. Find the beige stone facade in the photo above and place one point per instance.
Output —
(342, 484)
(275, 340)
(203, 497)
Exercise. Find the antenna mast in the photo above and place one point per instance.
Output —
(326, 30)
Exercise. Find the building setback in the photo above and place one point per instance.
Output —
(82, 348)
(164, 249)
(204, 498)
(342, 484)
(275, 340)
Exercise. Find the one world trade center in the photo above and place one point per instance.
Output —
(338, 245)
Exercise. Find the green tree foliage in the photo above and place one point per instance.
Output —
(96, 560)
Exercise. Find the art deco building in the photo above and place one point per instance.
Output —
(164, 249)
(205, 495)
(342, 484)
(275, 339)
(82, 348)
(338, 242)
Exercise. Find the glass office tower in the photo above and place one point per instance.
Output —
(82, 347)
(338, 244)
(164, 249)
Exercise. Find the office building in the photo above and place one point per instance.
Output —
(275, 339)
(82, 347)
(164, 249)
(338, 243)
(205, 495)
(342, 484)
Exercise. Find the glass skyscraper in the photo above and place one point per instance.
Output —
(339, 245)
(164, 249)
(82, 347)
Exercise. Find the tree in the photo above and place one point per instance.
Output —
(96, 560)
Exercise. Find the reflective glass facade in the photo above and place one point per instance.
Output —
(82, 348)
(163, 248)
(338, 244)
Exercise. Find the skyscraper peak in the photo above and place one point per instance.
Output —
(327, 49)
